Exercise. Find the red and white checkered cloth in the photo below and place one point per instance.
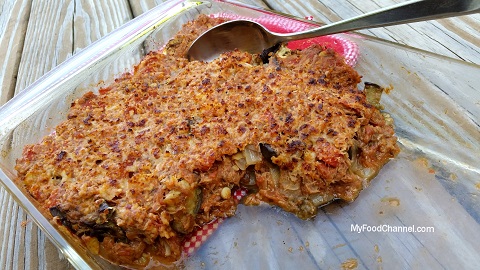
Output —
(200, 236)
(341, 45)
(197, 238)
(278, 24)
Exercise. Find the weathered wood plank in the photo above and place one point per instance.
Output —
(48, 40)
(37, 35)
(56, 30)
(13, 24)
(139, 7)
(14, 250)
(438, 36)
(454, 37)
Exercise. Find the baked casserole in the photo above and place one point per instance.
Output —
(142, 163)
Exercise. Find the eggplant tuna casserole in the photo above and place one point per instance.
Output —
(155, 155)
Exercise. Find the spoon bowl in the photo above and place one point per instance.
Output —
(244, 35)
(252, 37)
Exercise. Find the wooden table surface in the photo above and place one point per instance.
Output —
(37, 35)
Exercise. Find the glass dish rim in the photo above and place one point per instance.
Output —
(11, 116)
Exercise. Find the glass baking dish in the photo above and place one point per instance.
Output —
(421, 211)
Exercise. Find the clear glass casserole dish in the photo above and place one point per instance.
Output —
(421, 211)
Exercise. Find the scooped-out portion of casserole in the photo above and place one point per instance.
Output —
(138, 166)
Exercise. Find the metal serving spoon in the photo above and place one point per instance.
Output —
(254, 38)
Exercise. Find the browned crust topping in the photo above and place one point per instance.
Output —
(156, 154)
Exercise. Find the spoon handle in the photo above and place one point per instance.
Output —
(408, 12)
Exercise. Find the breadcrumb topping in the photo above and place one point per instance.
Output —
(138, 166)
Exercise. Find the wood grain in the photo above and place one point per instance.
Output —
(139, 7)
(53, 31)
(454, 37)
(13, 24)
(37, 35)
